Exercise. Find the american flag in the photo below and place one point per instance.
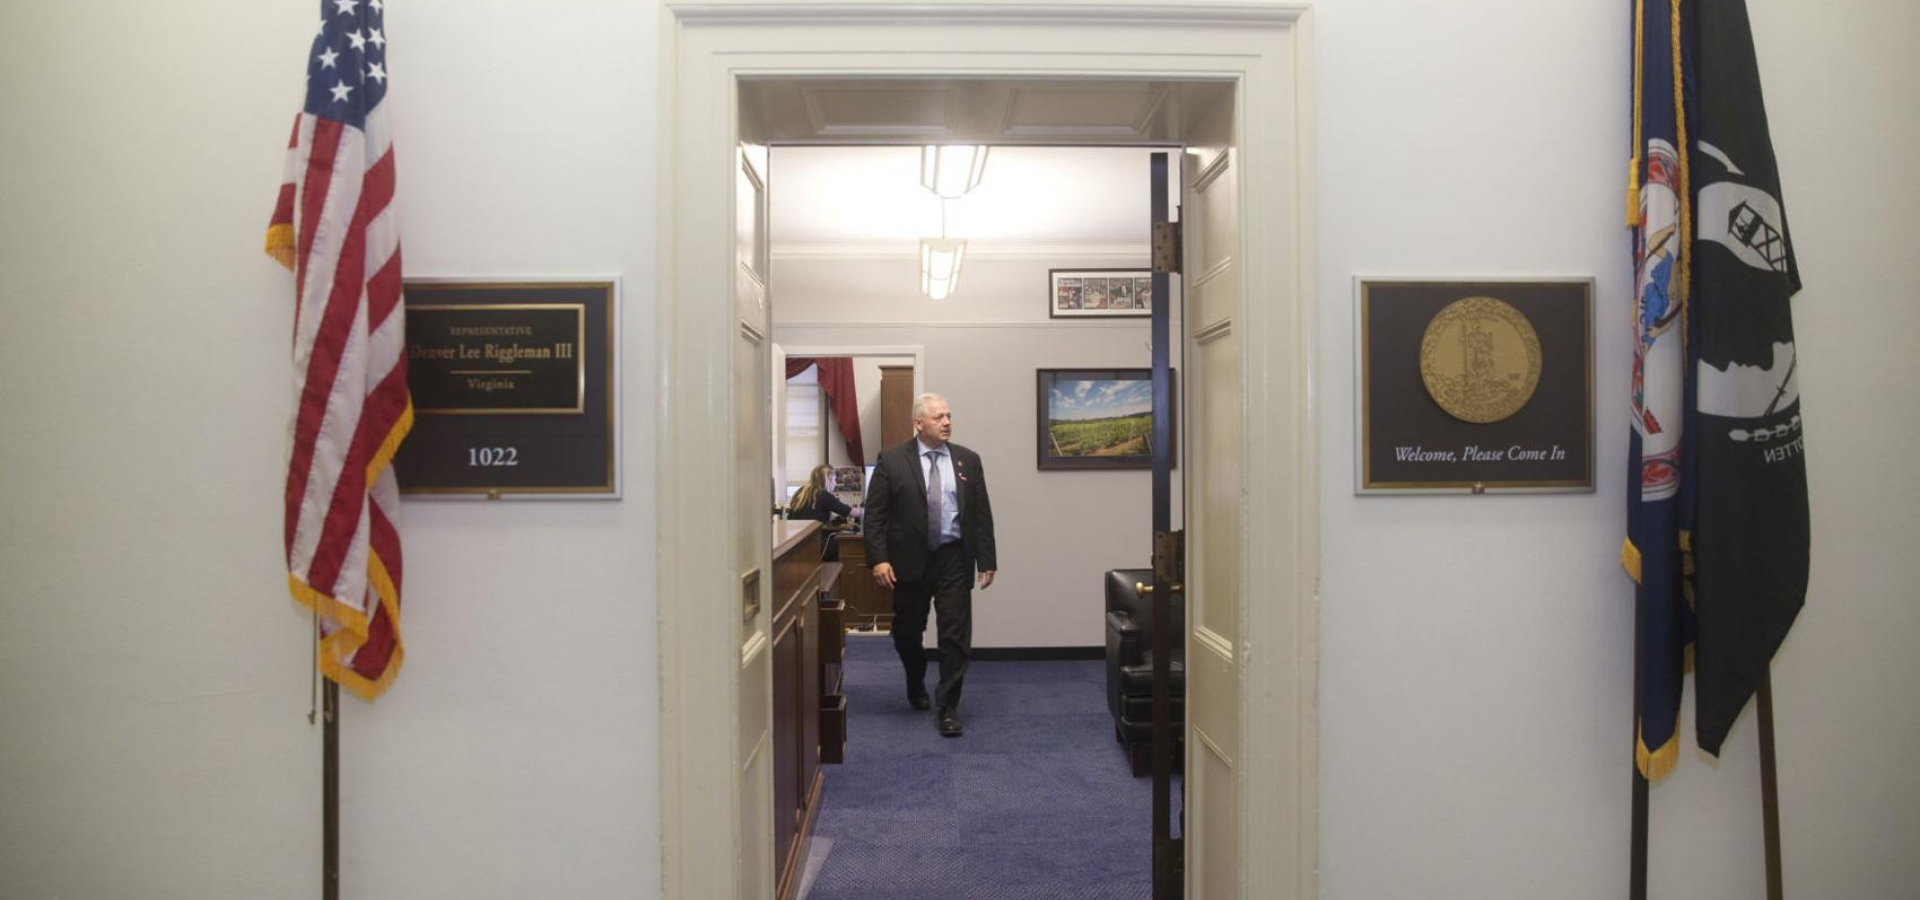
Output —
(335, 226)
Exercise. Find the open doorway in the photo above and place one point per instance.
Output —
(1046, 334)
(835, 408)
(900, 73)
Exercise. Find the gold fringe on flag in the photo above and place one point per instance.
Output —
(1683, 279)
(1630, 559)
(1633, 165)
(383, 457)
(350, 618)
(280, 244)
(333, 663)
(1658, 763)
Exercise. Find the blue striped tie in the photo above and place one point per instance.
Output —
(936, 493)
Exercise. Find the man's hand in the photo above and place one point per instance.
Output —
(883, 575)
(986, 579)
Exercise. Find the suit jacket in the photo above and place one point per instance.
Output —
(896, 510)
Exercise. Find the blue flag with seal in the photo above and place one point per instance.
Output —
(1748, 532)
(1658, 213)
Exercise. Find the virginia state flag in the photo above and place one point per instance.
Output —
(1656, 490)
(1749, 531)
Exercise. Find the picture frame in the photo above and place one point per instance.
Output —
(849, 483)
(1097, 418)
(1099, 293)
(1473, 385)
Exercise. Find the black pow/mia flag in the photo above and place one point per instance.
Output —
(1749, 533)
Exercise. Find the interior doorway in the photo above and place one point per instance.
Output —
(1249, 306)
(1049, 320)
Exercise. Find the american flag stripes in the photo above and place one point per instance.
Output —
(335, 226)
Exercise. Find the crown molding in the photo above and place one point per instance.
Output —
(1139, 253)
(1244, 15)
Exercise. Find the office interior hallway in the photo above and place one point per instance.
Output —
(1035, 802)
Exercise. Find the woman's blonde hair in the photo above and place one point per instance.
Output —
(816, 484)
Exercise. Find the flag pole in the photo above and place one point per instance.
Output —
(330, 794)
(1769, 786)
(1637, 863)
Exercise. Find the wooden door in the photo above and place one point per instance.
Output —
(896, 407)
(753, 541)
(1215, 404)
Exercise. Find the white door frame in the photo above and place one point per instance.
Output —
(1266, 50)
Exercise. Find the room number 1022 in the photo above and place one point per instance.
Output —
(493, 457)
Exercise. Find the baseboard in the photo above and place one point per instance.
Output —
(1036, 654)
(1007, 654)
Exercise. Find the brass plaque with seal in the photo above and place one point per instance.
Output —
(1474, 386)
(1480, 359)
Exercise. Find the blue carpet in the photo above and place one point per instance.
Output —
(1035, 802)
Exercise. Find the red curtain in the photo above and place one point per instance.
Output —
(836, 381)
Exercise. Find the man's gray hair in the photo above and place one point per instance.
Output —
(920, 404)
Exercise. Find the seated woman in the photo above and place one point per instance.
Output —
(815, 500)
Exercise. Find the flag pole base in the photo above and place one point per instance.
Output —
(330, 793)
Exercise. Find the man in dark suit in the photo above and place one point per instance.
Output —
(928, 526)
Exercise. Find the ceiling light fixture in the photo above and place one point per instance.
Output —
(940, 260)
(940, 266)
(951, 170)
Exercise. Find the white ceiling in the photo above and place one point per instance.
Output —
(868, 201)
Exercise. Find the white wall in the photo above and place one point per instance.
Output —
(1475, 652)
(1056, 532)
(153, 675)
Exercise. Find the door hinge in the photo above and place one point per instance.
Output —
(1170, 557)
(1166, 247)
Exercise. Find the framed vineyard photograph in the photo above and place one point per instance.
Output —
(1095, 418)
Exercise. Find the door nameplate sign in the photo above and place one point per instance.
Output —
(513, 389)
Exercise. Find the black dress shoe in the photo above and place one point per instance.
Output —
(918, 699)
(949, 723)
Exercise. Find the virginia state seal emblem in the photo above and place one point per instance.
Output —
(1480, 359)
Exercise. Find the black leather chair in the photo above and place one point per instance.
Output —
(1130, 665)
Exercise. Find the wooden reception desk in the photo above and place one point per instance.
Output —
(809, 711)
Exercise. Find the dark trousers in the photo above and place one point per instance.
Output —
(947, 587)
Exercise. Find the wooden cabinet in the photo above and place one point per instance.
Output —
(896, 405)
(869, 606)
(809, 713)
(833, 702)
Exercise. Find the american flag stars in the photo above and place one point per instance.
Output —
(352, 43)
